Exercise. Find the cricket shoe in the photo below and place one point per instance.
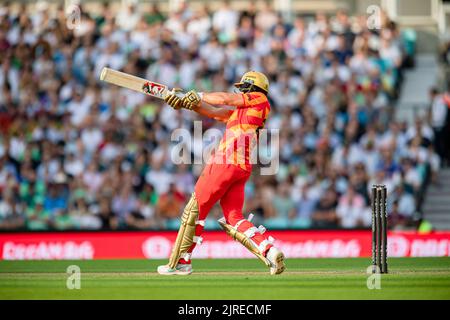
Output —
(276, 258)
(180, 269)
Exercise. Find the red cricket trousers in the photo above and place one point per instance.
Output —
(224, 183)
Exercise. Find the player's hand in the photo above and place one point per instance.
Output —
(191, 99)
(173, 99)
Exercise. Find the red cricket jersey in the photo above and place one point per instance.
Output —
(241, 132)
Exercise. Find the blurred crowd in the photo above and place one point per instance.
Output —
(78, 154)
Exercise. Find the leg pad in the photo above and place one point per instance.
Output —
(245, 240)
(186, 233)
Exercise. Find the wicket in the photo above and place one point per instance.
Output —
(379, 229)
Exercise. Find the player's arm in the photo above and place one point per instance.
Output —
(223, 98)
(217, 105)
(221, 113)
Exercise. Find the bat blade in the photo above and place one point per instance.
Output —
(129, 81)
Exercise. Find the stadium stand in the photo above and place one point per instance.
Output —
(78, 154)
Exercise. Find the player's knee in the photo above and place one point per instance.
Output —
(204, 206)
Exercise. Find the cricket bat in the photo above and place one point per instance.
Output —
(129, 81)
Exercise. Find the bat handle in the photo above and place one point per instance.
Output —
(177, 92)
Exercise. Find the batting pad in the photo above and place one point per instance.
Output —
(186, 233)
(244, 239)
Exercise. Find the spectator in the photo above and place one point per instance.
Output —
(225, 21)
(107, 219)
(352, 210)
(128, 16)
(170, 203)
(331, 78)
(200, 25)
(37, 218)
(405, 204)
(81, 217)
(284, 206)
(396, 220)
(154, 15)
(266, 18)
(307, 202)
(124, 204)
(438, 116)
(11, 216)
(56, 198)
(446, 158)
(325, 214)
(159, 177)
(411, 176)
(359, 179)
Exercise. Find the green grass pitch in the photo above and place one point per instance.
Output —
(409, 278)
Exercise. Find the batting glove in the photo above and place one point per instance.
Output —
(173, 99)
(191, 99)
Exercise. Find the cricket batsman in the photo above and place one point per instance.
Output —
(223, 179)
